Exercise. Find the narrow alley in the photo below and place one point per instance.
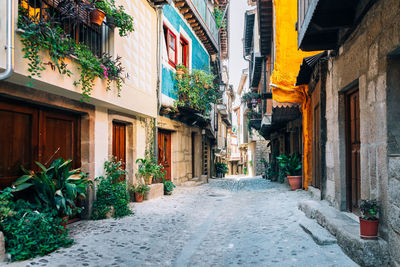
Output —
(227, 222)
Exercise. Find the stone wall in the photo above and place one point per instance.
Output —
(181, 149)
(262, 151)
(363, 61)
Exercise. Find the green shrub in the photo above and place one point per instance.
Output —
(221, 167)
(29, 232)
(111, 192)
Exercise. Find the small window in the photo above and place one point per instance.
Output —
(170, 40)
(184, 53)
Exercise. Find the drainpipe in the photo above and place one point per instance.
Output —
(159, 62)
(7, 73)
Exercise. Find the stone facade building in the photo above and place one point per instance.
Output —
(359, 82)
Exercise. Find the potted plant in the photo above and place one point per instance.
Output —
(140, 191)
(97, 16)
(291, 165)
(180, 70)
(146, 169)
(168, 187)
(369, 221)
(116, 16)
(221, 169)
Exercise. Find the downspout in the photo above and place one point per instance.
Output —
(159, 62)
(7, 73)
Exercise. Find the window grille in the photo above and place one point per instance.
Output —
(74, 17)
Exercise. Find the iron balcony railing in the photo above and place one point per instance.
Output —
(207, 16)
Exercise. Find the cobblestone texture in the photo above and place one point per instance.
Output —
(228, 222)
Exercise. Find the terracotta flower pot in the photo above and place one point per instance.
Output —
(97, 16)
(294, 182)
(138, 197)
(149, 180)
(369, 229)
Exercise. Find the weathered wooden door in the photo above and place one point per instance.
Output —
(164, 152)
(32, 133)
(119, 142)
(353, 149)
(316, 137)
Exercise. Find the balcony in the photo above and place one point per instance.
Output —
(202, 21)
(326, 24)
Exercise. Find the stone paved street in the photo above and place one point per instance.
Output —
(228, 222)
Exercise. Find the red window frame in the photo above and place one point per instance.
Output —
(168, 32)
(185, 52)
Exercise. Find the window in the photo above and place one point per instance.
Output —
(74, 19)
(184, 53)
(170, 40)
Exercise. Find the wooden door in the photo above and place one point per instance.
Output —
(353, 176)
(59, 137)
(119, 142)
(33, 133)
(316, 137)
(164, 152)
(18, 141)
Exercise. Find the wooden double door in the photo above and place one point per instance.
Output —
(353, 176)
(31, 133)
(164, 152)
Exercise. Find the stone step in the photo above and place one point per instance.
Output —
(319, 234)
(347, 233)
(192, 183)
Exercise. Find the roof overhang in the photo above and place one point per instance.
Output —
(265, 16)
(280, 117)
(325, 24)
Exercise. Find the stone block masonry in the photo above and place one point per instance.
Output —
(262, 151)
(2, 247)
(156, 191)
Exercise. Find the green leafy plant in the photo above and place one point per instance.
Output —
(291, 165)
(31, 232)
(168, 186)
(196, 90)
(111, 194)
(219, 18)
(245, 170)
(122, 20)
(46, 34)
(149, 168)
(37, 34)
(369, 210)
(141, 189)
(221, 167)
(246, 97)
(56, 188)
(5, 204)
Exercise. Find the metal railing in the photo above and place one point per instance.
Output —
(207, 16)
(73, 19)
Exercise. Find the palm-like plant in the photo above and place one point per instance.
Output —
(57, 187)
(290, 164)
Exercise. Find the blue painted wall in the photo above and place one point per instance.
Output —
(200, 58)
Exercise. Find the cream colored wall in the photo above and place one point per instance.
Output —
(138, 52)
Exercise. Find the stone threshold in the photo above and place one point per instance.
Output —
(347, 232)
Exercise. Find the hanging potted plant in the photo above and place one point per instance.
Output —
(291, 165)
(369, 221)
(98, 13)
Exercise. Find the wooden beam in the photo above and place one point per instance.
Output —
(180, 4)
(191, 20)
(184, 10)
(188, 16)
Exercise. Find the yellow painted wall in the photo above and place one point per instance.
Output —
(286, 68)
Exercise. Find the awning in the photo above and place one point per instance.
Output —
(307, 68)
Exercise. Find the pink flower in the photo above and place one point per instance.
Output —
(105, 71)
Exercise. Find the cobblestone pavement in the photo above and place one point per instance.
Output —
(228, 222)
